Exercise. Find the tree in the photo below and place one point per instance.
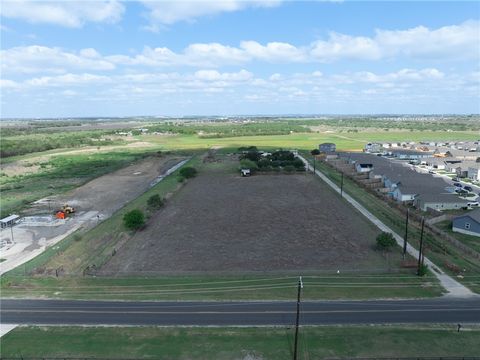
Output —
(385, 241)
(134, 219)
(188, 172)
(248, 164)
(315, 152)
(155, 202)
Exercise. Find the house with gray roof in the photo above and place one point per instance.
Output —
(468, 224)
(440, 202)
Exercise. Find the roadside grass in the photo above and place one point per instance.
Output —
(276, 343)
(469, 240)
(440, 252)
(326, 286)
(80, 249)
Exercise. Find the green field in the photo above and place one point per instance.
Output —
(306, 141)
(242, 343)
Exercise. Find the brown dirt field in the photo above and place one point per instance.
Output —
(221, 222)
(108, 193)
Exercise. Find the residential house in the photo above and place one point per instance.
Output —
(468, 224)
(363, 168)
(440, 202)
(327, 147)
(474, 172)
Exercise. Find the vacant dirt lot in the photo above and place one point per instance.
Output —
(221, 222)
(110, 192)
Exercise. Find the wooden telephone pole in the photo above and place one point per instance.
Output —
(300, 287)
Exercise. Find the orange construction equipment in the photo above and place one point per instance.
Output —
(60, 215)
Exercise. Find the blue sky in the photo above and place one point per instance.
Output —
(117, 58)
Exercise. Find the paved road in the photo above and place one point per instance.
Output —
(441, 310)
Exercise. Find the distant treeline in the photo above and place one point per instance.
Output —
(25, 144)
(454, 124)
(221, 130)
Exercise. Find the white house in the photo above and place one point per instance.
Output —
(474, 172)
(363, 168)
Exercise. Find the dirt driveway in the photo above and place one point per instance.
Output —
(221, 222)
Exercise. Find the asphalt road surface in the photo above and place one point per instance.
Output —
(67, 312)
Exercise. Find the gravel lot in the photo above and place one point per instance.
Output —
(221, 222)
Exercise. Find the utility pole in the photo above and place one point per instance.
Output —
(300, 287)
(341, 186)
(420, 250)
(314, 168)
(405, 237)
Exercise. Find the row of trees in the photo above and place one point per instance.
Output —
(254, 160)
(25, 144)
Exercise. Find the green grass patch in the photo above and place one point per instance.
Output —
(306, 141)
(218, 287)
(225, 343)
(469, 240)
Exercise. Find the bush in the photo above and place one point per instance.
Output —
(423, 270)
(155, 202)
(289, 168)
(134, 219)
(248, 164)
(188, 172)
(315, 152)
(385, 241)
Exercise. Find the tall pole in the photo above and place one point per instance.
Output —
(405, 237)
(314, 164)
(420, 250)
(300, 287)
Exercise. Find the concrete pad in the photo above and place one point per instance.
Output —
(6, 328)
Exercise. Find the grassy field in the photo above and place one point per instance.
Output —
(469, 240)
(226, 287)
(440, 252)
(242, 343)
(345, 141)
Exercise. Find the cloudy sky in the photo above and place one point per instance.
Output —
(123, 58)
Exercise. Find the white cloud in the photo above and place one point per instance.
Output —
(169, 12)
(213, 75)
(65, 13)
(455, 41)
(32, 59)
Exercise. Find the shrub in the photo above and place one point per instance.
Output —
(134, 219)
(315, 152)
(289, 168)
(385, 241)
(423, 270)
(248, 164)
(155, 202)
(188, 172)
